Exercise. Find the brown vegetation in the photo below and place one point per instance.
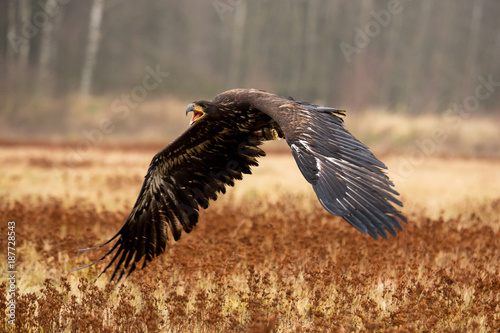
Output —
(251, 264)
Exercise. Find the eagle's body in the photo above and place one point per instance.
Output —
(222, 144)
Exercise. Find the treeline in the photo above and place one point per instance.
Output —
(422, 55)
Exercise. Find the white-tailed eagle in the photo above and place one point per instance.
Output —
(222, 143)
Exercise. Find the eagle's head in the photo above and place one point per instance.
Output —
(200, 109)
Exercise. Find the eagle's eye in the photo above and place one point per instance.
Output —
(197, 110)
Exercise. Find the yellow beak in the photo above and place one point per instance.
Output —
(197, 112)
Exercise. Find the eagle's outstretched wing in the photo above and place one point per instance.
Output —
(348, 179)
(181, 178)
(222, 145)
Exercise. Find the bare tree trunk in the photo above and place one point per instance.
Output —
(361, 68)
(44, 85)
(330, 91)
(471, 61)
(92, 46)
(292, 79)
(310, 42)
(438, 82)
(240, 16)
(24, 48)
(18, 50)
(12, 50)
(11, 30)
(390, 74)
(416, 76)
(494, 63)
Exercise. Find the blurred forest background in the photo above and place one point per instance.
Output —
(90, 90)
(66, 64)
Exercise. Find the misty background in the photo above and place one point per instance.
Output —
(66, 65)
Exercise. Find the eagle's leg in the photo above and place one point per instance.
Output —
(271, 132)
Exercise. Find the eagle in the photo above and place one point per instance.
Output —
(223, 142)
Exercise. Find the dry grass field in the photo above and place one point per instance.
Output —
(264, 257)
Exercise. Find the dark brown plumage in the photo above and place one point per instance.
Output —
(222, 144)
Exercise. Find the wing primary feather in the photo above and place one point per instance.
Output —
(363, 214)
(119, 250)
(119, 264)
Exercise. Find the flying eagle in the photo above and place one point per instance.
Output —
(222, 143)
